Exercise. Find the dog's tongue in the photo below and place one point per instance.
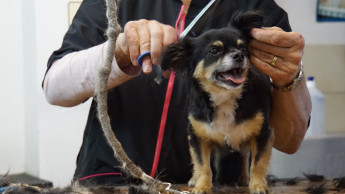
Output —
(235, 79)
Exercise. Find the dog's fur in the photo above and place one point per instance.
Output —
(229, 101)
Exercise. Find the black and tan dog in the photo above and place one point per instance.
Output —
(229, 101)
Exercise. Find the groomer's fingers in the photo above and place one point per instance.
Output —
(267, 58)
(281, 64)
(157, 36)
(147, 35)
(138, 40)
(161, 36)
(267, 48)
(144, 32)
(277, 37)
(132, 39)
(286, 45)
(121, 51)
(280, 76)
(272, 28)
(277, 53)
(170, 35)
(266, 52)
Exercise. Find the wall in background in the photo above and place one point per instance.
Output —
(31, 88)
(302, 16)
(44, 140)
(35, 137)
(60, 129)
(12, 114)
(327, 64)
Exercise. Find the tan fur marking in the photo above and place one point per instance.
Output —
(217, 43)
(240, 42)
(196, 167)
(225, 131)
(205, 132)
(258, 168)
(199, 71)
(204, 77)
(236, 134)
(202, 175)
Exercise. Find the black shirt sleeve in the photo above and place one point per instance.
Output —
(275, 15)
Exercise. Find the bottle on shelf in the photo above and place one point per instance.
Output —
(317, 122)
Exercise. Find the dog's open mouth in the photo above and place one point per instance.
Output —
(233, 77)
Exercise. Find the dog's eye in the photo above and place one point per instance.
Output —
(215, 51)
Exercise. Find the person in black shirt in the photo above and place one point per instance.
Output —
(135, 101)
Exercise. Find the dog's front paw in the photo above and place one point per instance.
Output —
(203, 184)
(201, 190)
(258, 189)
(258, 185)
(192, 181)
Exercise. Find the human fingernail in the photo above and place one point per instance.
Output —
(147, 69)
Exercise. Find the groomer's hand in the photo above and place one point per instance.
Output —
(142, 36)
(277, 53)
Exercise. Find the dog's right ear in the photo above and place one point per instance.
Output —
(246, 21)
(175, 57)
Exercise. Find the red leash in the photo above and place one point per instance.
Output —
(181, 21)
(162, 124)
(101, 174)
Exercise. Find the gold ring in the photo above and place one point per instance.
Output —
(274, 61)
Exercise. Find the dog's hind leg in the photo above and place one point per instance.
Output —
(244, 177)
(260, 160)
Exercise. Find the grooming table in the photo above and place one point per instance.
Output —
(30, 180)
(275, 187)
(279, 187)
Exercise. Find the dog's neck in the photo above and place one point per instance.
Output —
(225, 97)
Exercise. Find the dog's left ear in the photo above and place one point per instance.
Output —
(246, 21)
(175, 56)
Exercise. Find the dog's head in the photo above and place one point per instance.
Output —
(218, 57)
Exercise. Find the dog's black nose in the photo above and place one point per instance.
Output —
(238, 56)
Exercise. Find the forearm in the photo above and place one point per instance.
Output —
(71, 79)
(290, 112)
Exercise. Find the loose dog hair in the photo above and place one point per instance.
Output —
(229, 101)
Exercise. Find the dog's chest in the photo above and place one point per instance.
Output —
(224, 116)
(225, 104)
(224, 126)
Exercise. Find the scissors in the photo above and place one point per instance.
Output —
(196, 20)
